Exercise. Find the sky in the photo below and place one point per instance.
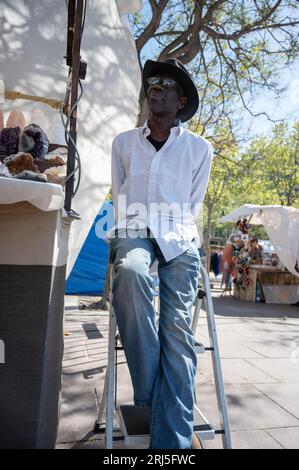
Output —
(286, 108)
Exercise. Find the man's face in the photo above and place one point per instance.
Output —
(165, 100)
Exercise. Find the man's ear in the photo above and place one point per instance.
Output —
(183, 100)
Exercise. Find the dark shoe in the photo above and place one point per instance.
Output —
(196, 442)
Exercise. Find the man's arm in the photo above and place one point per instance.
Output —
(201, 179)
(117, 174)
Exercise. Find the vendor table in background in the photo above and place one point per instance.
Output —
(277, 286)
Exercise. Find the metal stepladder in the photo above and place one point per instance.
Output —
(134, 421)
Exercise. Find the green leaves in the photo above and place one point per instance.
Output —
(267, 172)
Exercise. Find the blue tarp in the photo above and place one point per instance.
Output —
(88, 274)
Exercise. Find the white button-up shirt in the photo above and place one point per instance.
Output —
(160, 190)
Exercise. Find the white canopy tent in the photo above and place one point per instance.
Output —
(32, 46)
(282, 226)
(34, 233)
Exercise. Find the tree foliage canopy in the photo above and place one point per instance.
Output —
(234, 47)
(266, 172)
(273, 164)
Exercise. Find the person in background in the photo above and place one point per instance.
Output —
(255, 252)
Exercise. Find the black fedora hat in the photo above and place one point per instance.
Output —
(175, 68)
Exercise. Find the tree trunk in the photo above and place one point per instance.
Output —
(106, 296)
(102, 304)
(207, 240)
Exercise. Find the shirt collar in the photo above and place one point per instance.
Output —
(176, 130)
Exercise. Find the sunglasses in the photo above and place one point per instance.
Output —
(166, 82)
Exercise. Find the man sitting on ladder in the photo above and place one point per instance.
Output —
(160, 174)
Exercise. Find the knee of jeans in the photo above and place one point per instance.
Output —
(130, 269)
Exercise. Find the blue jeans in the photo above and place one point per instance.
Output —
(161, 360)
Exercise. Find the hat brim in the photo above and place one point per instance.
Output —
(152, 67)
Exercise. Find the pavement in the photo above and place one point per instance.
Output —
(259, 349)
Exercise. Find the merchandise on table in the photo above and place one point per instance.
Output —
(24, 152)
(34, 141)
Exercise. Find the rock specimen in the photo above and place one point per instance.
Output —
(20, 162)
(33, 140)
(31, 176)
(9, 140)
(4, 171)
(16, 119)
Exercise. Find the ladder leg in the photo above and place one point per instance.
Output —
(198, 303)
(197, 308)
(103, 404)
(221, 398)
(111, 378)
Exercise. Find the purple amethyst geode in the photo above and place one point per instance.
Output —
(34, 140)
(9, 140)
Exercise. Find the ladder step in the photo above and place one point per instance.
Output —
(199, 347)
(136, 419)
(135, 425)
(206, 432)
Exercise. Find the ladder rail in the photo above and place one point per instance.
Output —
(110, 375)
(218, 376)
(198, 303)
(102, 407)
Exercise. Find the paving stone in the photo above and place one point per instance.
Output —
(284, 394)
(248, 408)
(246, 440)
(287, 437)
(235, 371)
(271, 348)
(284, 370)
(234, 350)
